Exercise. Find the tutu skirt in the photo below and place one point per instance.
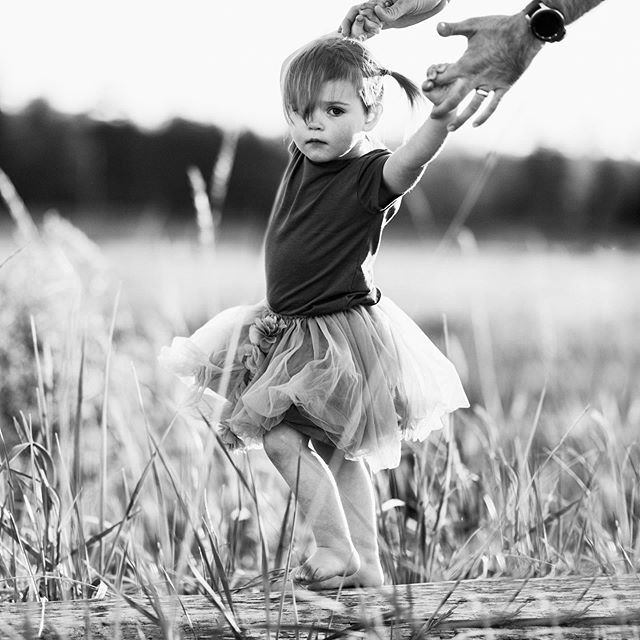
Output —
(362, 379)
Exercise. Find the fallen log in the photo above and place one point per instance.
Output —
(567, 607)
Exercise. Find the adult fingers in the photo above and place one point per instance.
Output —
(389, 14)
(371, 27)
(429, 83)
(443, 73)
(435, 69)
(357, 29)
(347, 21)
(464, 28)
(447, 73)
(474, 104)
(488, 111)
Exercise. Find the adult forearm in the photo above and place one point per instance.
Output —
(574, 9)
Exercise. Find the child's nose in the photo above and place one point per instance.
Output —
(314, 121)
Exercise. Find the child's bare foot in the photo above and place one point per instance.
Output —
(369, 575)
(326, 563)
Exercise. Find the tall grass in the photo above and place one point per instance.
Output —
(106, 487)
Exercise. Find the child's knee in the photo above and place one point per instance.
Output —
(282, 442)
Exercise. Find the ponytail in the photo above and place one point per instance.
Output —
(411, 90)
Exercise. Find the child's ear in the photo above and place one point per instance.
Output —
(373, 115)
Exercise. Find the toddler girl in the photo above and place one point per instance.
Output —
(327, 373)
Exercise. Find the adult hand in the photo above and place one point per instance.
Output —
(499, 49)
(366, 23)
(395, 15)
(356, 25)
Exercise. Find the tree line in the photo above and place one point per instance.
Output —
(111, 169)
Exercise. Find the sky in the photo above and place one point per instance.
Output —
(218, 62)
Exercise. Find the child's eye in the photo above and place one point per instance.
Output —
(335, 111)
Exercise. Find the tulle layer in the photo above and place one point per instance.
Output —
(368, 377)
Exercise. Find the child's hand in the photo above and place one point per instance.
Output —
(436, 95)
(366, 24)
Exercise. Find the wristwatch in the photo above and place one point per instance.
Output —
(546, 24)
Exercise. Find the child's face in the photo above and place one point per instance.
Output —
(337, 126)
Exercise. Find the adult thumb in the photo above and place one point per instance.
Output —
(463, 28)
(389, 14)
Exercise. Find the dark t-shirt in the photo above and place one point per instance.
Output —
(324, 233)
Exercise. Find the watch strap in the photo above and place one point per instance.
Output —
(532, 7)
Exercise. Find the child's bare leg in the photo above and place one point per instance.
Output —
(318, 498)
(356, 493)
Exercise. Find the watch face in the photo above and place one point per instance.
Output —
(548, 24)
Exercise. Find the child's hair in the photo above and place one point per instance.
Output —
(337, 59)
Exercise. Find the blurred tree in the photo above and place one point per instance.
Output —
(115, 169)
(255, 177)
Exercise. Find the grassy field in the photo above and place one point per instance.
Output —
(104, 484)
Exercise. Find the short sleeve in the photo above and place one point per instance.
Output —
(373, 193)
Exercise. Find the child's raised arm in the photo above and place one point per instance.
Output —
(407, 163)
